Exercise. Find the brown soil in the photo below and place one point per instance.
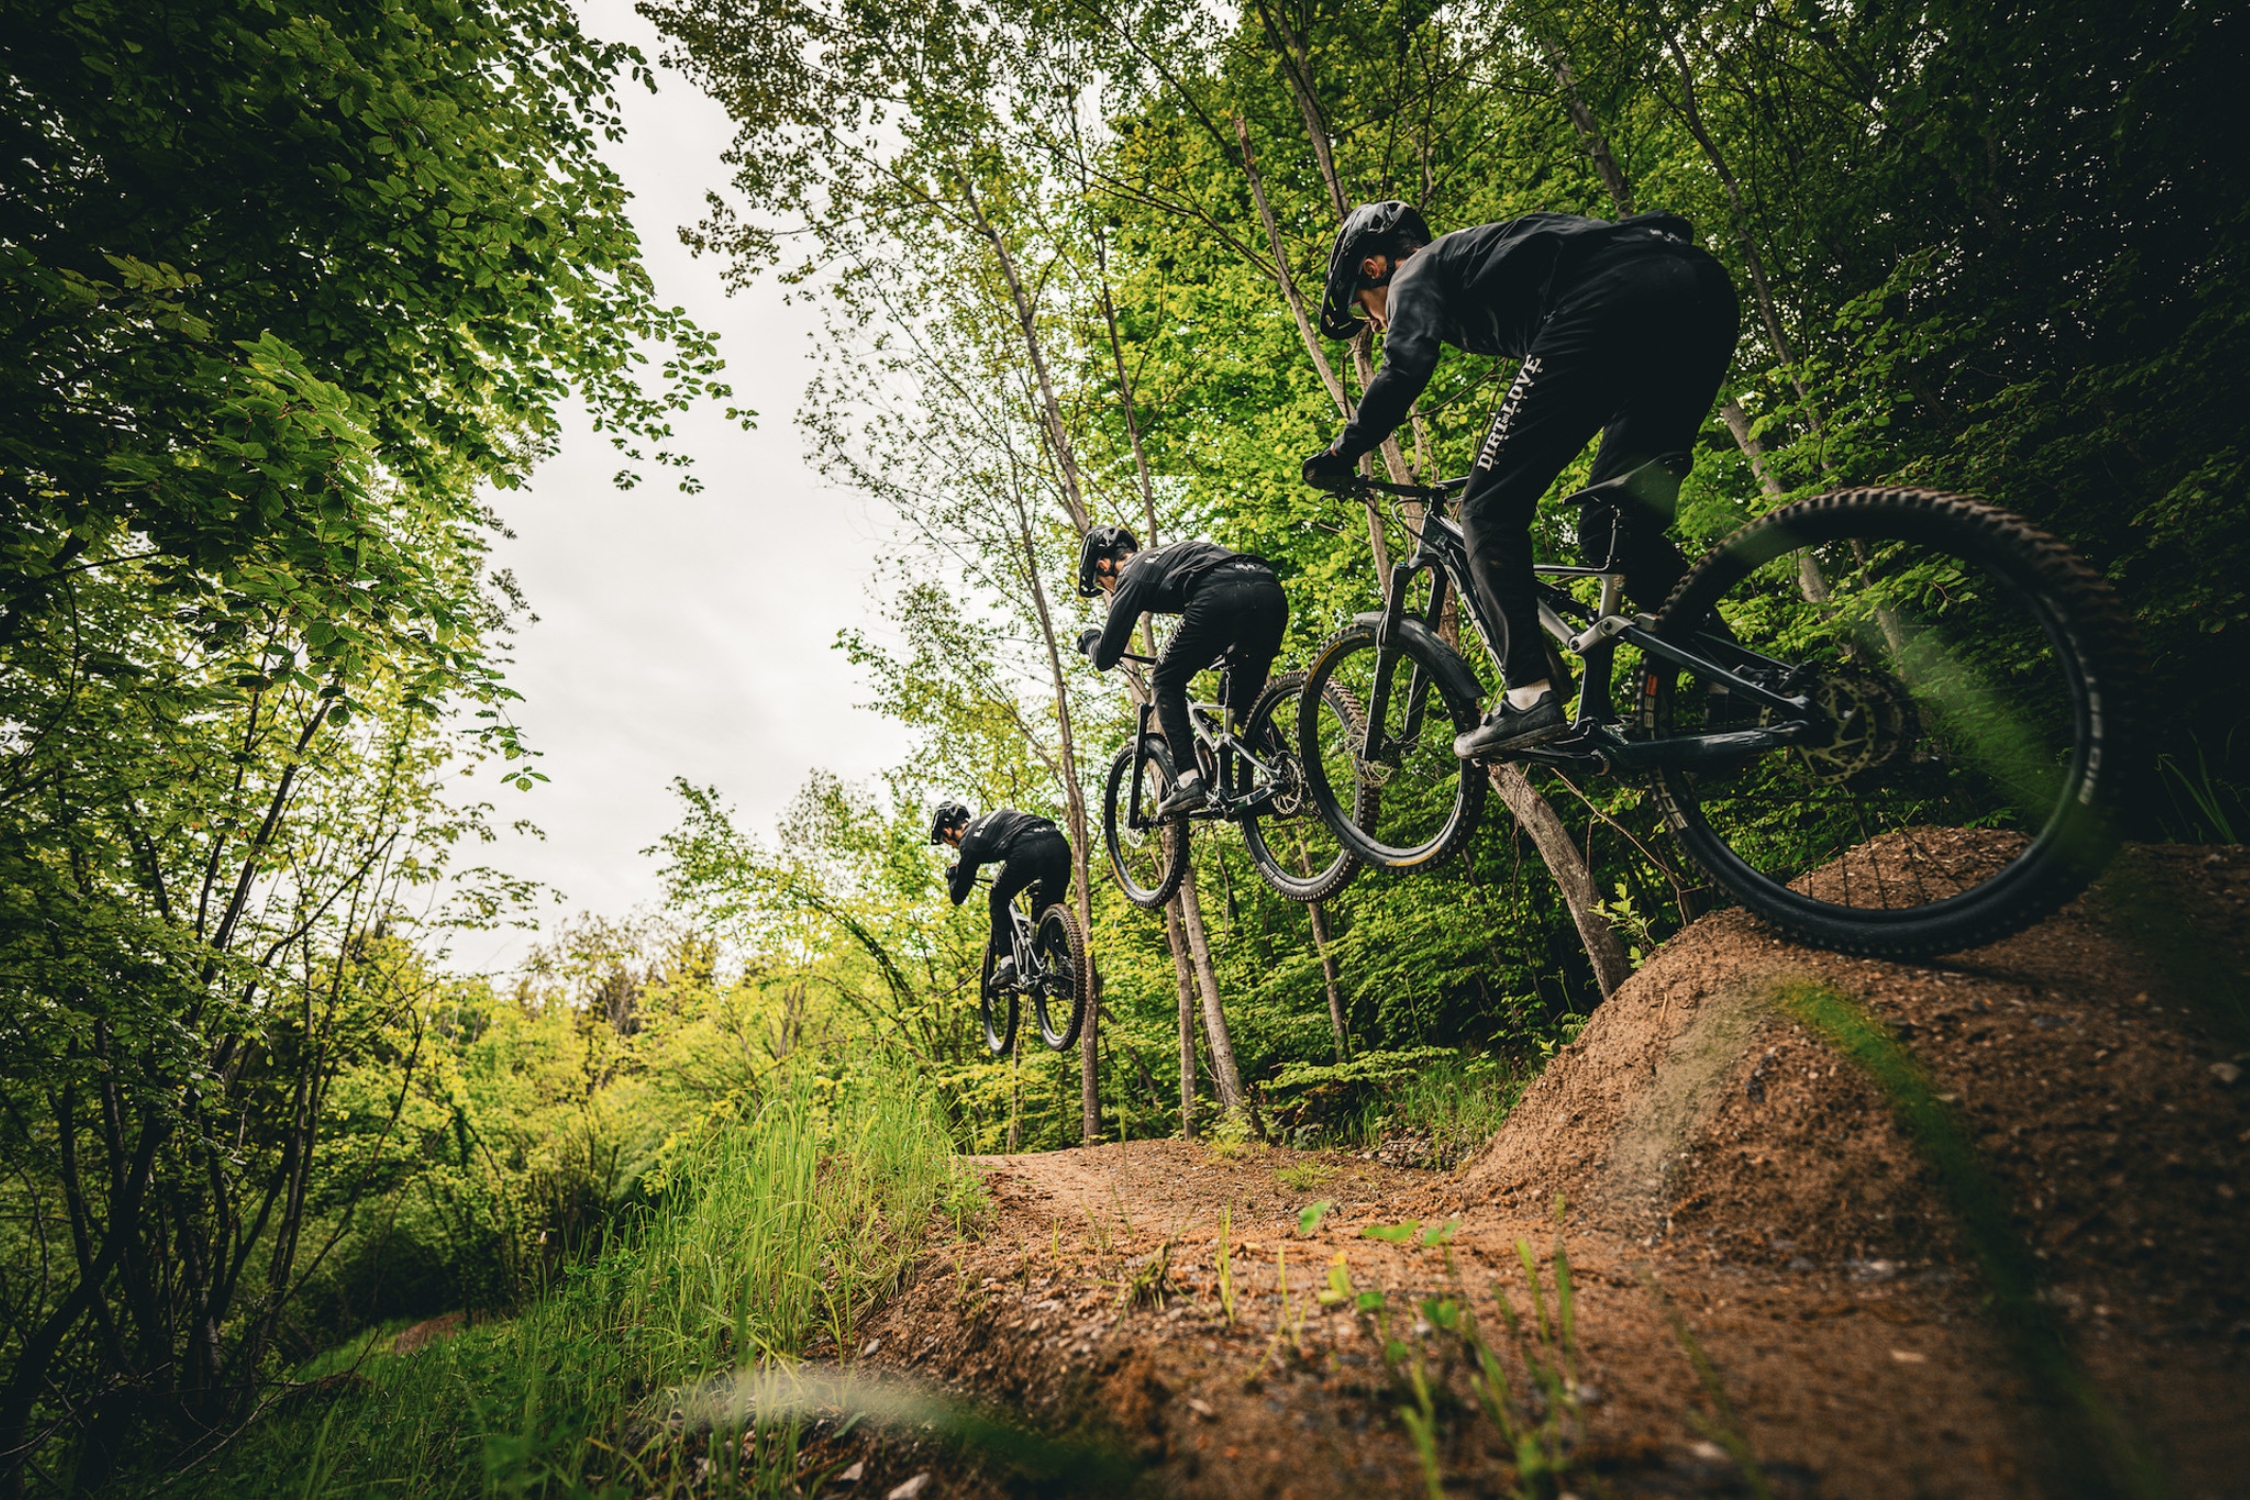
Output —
(1708, 1146)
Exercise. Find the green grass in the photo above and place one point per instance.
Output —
(1458, 1102)
(770, 1233)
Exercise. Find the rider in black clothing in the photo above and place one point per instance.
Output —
(1227, 601)
(1029, 850)
(1623, 328)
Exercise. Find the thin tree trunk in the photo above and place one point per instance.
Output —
(1224, 1074)
(1589, 130)
(1074, 502)
(1761, 287)
(1177, 942)
(1329, 979)
(1376, 539)
(1174, 937)
(1074, 801)
(1050, 410)
(1811, 582)
(1568, 865)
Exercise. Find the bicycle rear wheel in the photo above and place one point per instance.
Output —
(1059, 1004)
(1970, 674)
(1149, 857)
(997, 1008)
(1290, 842)
(1391, 791)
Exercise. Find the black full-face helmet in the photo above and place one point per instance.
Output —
(1389, 228)
(948, 815)
(1101, 542)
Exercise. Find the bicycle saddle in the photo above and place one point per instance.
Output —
(1654, 485)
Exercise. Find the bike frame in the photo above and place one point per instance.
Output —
(1594, 741)
(1207, 722)
(1023, 944)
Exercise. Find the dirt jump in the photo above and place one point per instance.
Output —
(1828, 1226)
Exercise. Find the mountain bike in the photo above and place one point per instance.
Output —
(1047, 965)
(1888, 721)
(1255, 782)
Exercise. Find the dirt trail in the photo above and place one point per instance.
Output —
(1709, 1145)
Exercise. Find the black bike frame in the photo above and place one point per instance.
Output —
(1207, 722)
(1023, 942)
(1594, 741)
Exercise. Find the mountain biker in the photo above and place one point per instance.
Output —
(1030, 850)
(1227, 601)
(1624, 328)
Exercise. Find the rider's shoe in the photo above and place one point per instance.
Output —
(1004, 973)
(1187, 795)
(1507, 728)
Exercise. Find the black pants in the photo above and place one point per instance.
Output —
(1636, 352)
(1237, 608)
(1040, 859)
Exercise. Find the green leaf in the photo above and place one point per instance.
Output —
(1440, 1234)
(1309, 1218)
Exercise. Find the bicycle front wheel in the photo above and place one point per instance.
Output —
(1148, 855)
(1289, 841)
(1066, 979)
(997, 1008)
(1968, 676)
(1390, 788)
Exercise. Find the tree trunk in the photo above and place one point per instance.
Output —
(1761, 288)
(1328, 979)
(1376, 541)
(1177, 942)
(1074, 801)
(1089, 1058)
(1223, 1071)
(1589, 130)
(1811, 582)
(1568, 865)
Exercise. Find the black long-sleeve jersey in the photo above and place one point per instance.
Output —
(989, 841)
(1486, 290)
(1156, 582)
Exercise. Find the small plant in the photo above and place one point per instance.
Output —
(1230, 1135)
(1303, 1176)
(1308, 1218)
(1151, 1285)
(1635, 926)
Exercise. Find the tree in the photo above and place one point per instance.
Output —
(281, 288)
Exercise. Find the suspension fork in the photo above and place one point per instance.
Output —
(1386, 657)
(1140, 758)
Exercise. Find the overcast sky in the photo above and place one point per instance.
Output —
(681, 635)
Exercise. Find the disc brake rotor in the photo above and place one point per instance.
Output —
(1873, 721)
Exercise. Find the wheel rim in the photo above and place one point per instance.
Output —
(1140, 857)
(1954, 695)
(1408, 799)
(997, 1012)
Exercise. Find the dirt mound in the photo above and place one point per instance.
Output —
(1712, 1142)
(2095, 1059)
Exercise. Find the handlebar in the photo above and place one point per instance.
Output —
(1443, 489)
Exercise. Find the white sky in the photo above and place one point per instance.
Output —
(680, 634)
